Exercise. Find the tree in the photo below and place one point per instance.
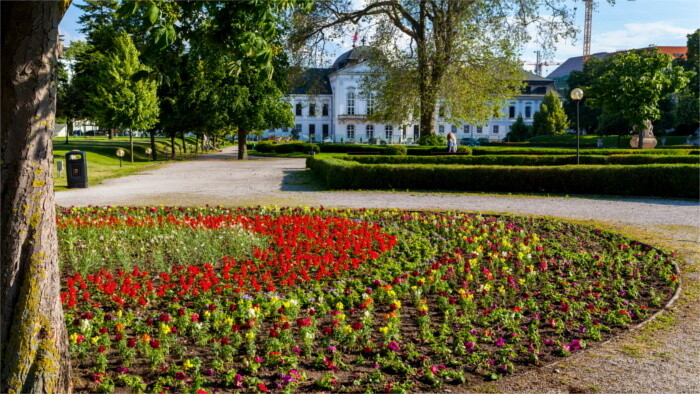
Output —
(633, 83)
(121, 99)
(687, 111)
(584, 79)
(35, 356)
(460, 54)
(519, 131)
(70, 96)
(551, 118)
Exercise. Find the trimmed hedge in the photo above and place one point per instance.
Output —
(664, 180)
(526, 160)
(485, 150)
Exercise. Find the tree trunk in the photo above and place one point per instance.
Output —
(111, 133)
(172, 145)
(154, 154)
(131, 144)
(33, 339)
(184, 146)
(69, 129)
(242, 148)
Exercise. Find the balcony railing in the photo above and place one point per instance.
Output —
(353, 117)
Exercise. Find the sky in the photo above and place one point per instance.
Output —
(624, 25)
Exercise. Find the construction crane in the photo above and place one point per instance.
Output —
(539, 64)
(587, 30)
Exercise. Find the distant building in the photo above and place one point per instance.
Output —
(560, 75)
(329, 106)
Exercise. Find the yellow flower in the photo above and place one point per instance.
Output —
(347, 329)
(228, 321)
(339, 306)
(250, 335)
(74, 337)
(383, 330)
(119, 313)
(165, 329)
(187, 365)
(94, 340)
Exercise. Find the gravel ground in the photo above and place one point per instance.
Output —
(662, 357)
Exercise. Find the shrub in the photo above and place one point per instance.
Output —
(665, 180)
(394, 150)
(265, 147)
(432, 139)
(312, 148)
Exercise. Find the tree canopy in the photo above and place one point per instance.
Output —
(460, 54)
(632, 83)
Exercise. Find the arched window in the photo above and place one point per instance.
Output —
(351, 132)
(369, 130)
(298, 109)
(351, 103)
(388, 132)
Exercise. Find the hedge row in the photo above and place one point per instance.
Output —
(664, 180)
(485, 150)
(526, 160)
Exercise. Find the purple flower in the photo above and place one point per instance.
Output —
(296, 350)
(332, 349)
(469, 346)
(208, 372)
(393, 346)
(122, 370)
(180, 376)
(490, 361)
(258, 359)
(575, 344)
(500, 342)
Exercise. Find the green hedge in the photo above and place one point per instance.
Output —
(526, 160)
(486, 150)
(664, 180)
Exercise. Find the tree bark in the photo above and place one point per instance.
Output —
(242, 148)
(172, 145)
(69, 128)
(33, 337)
(154, 154)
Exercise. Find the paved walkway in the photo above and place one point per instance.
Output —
(665, 360)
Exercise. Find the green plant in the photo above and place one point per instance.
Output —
(432, 140)
(399, 150)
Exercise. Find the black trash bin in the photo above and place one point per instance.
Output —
(76, 169)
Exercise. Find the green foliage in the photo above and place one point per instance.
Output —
(113, 98)
(666, 180)
(519, 131)
(399, 150)
(551, 118)
(528, 160)
(432, 140)
(632, 84)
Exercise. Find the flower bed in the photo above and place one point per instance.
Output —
(326, 299)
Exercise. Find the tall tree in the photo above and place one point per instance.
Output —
(33, 337)
(633, 83)
(687, 112)
(70, 97)
(519, 131)
(460, 54)
(550, 118)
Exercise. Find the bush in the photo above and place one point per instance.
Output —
(526, 160)
(395, 150)
(665, 180)
(312, 148)
(265, 147)
(432, 139)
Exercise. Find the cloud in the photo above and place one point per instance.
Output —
(68, 36)
(640, 35)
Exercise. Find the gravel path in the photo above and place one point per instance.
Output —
(660, 358)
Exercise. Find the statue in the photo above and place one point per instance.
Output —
(648, 139)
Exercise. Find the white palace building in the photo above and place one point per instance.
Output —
(328, 107)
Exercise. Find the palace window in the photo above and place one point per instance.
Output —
(511, 111)
(479, 129)
(388, 132)
(370, 104)
(351, 103)
(528, 112)
(495, 129)
(298, 109)
(324, 110)
(466, 129)
(370, 131)
(312, 109)
(351, 131)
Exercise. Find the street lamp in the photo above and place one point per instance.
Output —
(577, 95)
(120, 154)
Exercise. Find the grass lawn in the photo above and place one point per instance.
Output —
(103, 163)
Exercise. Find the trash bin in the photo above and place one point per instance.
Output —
(76, 169)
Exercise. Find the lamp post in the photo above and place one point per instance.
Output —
(577, 94)
(120, 154)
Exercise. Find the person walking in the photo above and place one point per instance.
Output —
(451, 143)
